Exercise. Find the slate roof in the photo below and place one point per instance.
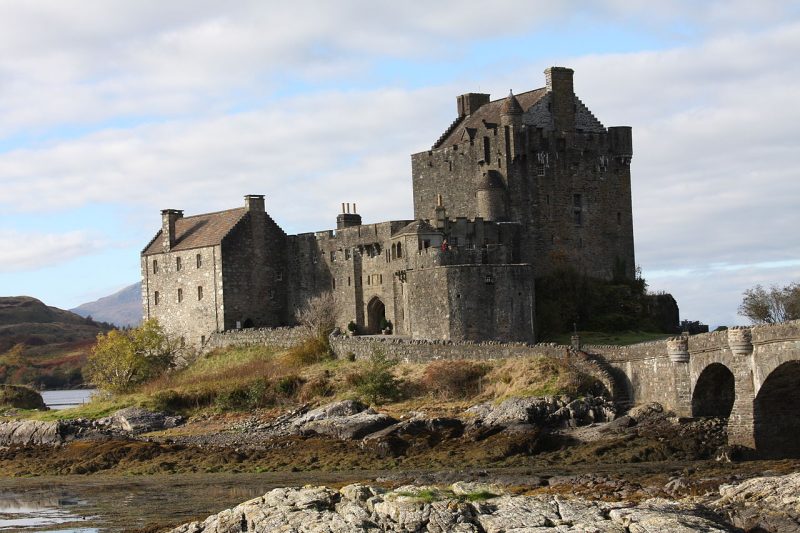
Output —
(198, 231)
(491, 113)
(417, 227)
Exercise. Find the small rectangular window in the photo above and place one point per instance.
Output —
(619, 218)
(180, 295)
(155, 298)
(202, 340)
(155, 266)
(578, 218)
(199, 259)
(177, 263)
(199, 293)
(348, 281)
(576, 200)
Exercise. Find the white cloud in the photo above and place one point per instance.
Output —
(33, 251)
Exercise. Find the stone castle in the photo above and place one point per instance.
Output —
(511, 187)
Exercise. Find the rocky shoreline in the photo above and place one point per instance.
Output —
(545, 457)
(759, 504)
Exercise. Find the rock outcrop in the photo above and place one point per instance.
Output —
(763, 503)
(357, 508)
(136, 420)
(31, 433)
(552, 411)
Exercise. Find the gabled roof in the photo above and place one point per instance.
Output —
(491, 113)
(417, 227)
(198, 231)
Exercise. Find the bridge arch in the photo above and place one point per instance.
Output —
(776, 412)
(714, 392)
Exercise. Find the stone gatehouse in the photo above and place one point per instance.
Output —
(512, 186)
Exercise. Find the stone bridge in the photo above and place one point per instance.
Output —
(750, 375)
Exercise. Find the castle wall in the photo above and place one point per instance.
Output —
(474, 302)
(194, 318)
(253, 270)
(280, 338)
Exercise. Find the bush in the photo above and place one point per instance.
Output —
(376, 382)
(288, 386)
(318, 387)
(454, 379)
(310, 351)
(20, 397)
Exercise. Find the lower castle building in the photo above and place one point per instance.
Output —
(511, 188)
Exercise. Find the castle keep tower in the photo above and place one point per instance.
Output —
(540, 159)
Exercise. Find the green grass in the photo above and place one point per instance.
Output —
(620, 338)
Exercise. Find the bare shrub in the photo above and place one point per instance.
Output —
(314, 388)
(318, 316)
(454, 379)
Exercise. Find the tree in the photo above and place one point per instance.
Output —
(773, 305)
(123, 359)
(318, 316)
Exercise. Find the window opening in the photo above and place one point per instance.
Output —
(180, 295)
(199, 259)
(155, 266)
(199, 292)
(177, 263)
(155, 298)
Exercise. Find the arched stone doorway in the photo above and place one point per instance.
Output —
(376, 314)
(776, 412)
(714, 392)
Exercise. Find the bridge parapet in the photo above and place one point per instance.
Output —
(678, 349)
(740, 340)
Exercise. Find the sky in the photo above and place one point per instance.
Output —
(111, 110)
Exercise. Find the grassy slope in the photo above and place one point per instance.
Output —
(243, 379)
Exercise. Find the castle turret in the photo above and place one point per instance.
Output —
(490, 195)
(511, 120)
(562, 97)
(168, 219)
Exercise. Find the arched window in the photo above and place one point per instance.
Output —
(155, 266)
(399, 250)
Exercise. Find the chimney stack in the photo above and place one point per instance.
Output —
(468, 103)
(562, 97)
(168, 219)
(254, 202)
(347, 219)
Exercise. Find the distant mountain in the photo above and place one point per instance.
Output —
(123, 308)
(26, 320)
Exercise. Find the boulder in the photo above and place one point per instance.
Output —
(30, 433)
(559, 411)
(137, 420)
(349, 427)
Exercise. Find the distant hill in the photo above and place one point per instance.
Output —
(26, 320)
(123, 308)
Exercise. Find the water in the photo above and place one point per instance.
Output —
(93, 504)
(64, 399)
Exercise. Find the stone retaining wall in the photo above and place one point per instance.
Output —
(273, 337)
(421, 351)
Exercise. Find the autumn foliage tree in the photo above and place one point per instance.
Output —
(123, 359)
